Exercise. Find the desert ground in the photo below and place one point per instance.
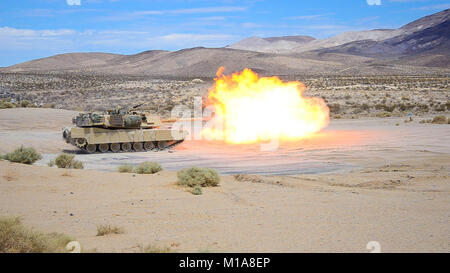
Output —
(347, 96)
(360, 180)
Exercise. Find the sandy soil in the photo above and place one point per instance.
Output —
(392, 186)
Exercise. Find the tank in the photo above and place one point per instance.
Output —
(121, 130)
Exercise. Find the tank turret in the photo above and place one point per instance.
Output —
(118, 119)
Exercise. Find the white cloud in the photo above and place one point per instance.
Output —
(126, 16)
(24, 33)
(373, 2)
(67, 40)
(73, 2)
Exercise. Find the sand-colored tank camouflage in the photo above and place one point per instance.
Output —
(121, 130)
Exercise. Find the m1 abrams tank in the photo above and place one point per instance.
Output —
(121, 130)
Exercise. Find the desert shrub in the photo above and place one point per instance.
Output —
(23, 155)
(15, 238)
(26, 103)
(125, 169)
(383, 115)
(364, 107)
(156, 249)
(51, 163)
(197, 190)
(148, 168)
(440, 108)
(389, 108)
(196, 176)
(76, 164)
(248, 178)
(379, 106)
(64, 160)
(439, 120)
(423, 107)
(107, 229)
(6, 104)
(49, 105)
(67, 161)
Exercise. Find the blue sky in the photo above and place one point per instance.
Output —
(32, 29)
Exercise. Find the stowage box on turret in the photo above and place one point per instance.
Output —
(121, 130)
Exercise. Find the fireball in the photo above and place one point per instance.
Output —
(249, 109)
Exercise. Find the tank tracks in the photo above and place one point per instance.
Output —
(132, 150)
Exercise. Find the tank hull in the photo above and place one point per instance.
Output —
(94, 139)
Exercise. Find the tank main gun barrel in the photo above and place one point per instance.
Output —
(139, 105)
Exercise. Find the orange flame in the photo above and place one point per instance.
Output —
(253, 108)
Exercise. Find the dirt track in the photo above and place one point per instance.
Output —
(345, 145)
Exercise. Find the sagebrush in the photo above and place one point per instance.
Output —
(197, 190)
(23, 155)
(67, 161)
(108, 229)
(148, 168)
(439, 120)
(15, 238)
(195, 176)
(126, 169)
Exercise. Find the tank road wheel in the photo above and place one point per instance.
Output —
(80, 142)
(103, 147)
(148, 146)
(115, 147)
(91, 148)
(126, 146)
(162, 145)
(138, 146)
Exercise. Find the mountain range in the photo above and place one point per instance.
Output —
(420, 47)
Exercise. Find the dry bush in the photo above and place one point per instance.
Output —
(439, 120)
(383, 115)
(248, 178)
(197, 190)
(23, 155)
(67, 161)
(15, 238)
(196, 176)
(148, 168)
(107, 229)
(125, 169)
(155, 249)
(6, 104)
